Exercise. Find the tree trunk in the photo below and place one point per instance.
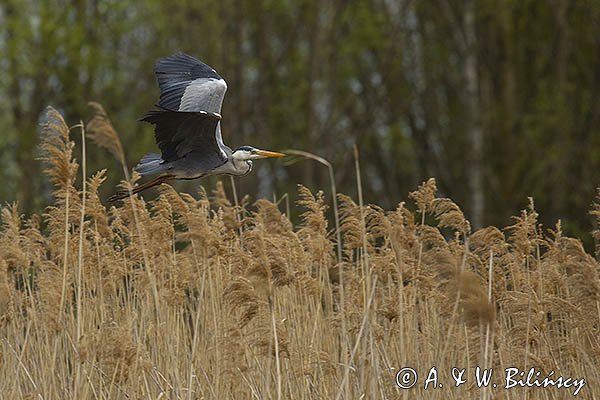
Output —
(475, 133)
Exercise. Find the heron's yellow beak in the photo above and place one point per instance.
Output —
(265, 153)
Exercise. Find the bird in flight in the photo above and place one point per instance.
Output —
(187, 127)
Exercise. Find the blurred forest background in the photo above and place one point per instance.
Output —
(497, 99)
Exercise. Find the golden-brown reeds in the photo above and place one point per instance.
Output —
(189, 297)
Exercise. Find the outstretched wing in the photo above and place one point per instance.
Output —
(178, 133)
(187, 84)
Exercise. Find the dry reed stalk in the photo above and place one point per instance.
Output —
(57, 153)
(323, 161)
(104, 134)
(78, 303)
(365, 254)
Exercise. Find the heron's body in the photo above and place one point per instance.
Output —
(188, 128)
(192, 167)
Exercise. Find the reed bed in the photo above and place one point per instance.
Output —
(193, 297)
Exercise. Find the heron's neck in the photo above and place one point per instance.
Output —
(242, 167)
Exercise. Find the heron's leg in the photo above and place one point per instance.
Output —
(121, 194)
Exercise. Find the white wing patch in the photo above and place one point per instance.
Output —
(204, 94)
(220, 141)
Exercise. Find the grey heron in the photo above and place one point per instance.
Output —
(187, 127)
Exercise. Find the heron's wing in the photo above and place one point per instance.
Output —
(179, 133)
(187, 84)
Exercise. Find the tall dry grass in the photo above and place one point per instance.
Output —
(199, 298)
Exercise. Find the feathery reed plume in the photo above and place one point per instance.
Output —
(95, 210)
(450, 216)
(102, 132)
(424, 196)
(241, 295)
(314, 230)
(230, 216)
(11, 235)
(268, 215)
(524, 231)
(57, 152)
(476, 308)
(484, 239)
(582, 281)
(351, 224)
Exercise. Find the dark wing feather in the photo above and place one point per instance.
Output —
(179, 133)
(187, 84)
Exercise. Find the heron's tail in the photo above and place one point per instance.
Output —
(121, 194)
(150, 164)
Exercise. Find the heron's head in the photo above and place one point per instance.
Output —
(248, 153)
